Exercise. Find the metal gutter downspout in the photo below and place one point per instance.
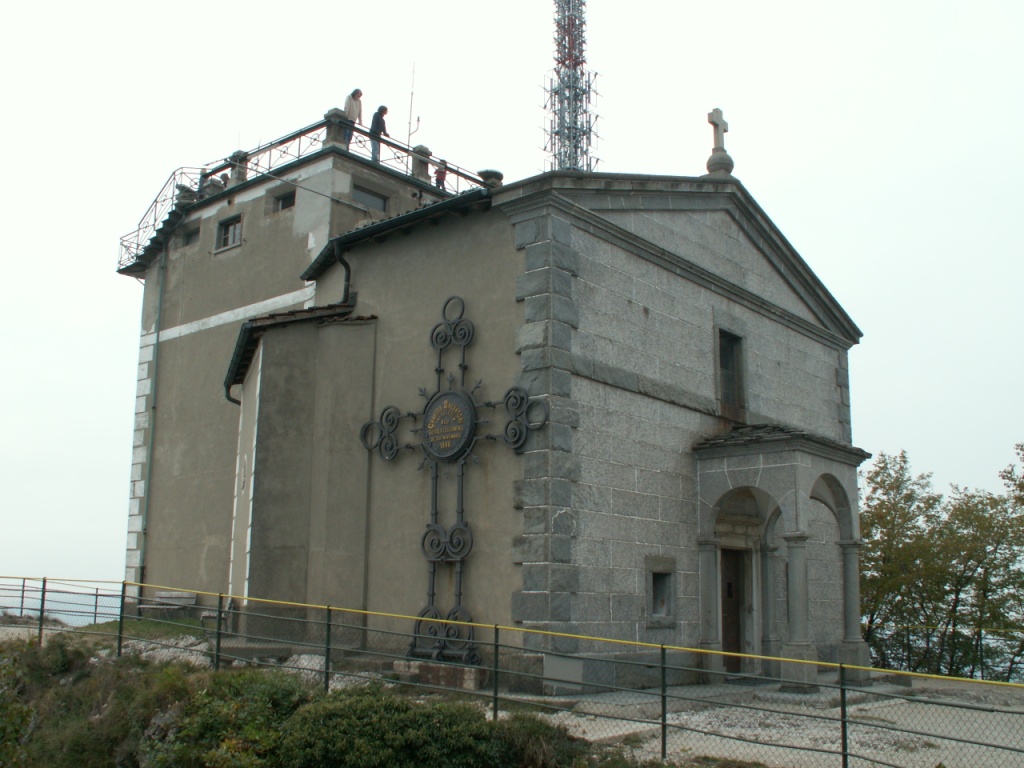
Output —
(339, 255)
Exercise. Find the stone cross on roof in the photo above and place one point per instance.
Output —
(721, 127)
(719, 164)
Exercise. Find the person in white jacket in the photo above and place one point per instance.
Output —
(354, 113)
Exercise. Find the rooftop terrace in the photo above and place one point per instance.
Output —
(187, 186)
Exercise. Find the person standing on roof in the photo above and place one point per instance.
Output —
(354, 113)
(377, 129)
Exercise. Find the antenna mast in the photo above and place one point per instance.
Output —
(570, 129)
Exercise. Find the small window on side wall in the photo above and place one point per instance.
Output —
(730, 375)
(229, 233)
(190, 237)
(661, 574)
(284, 201)
(368, 199)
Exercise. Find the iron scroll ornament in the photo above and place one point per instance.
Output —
(450, 428)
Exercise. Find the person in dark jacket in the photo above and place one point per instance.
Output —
(377, 129)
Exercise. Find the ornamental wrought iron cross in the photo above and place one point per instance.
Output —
(721, 127)
(449, 429)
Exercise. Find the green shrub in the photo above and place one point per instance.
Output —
(60, 709)
(229, 720)
(369, 728)
(15, 715)
(532, 742)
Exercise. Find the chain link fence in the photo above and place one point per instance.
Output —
(656, 701)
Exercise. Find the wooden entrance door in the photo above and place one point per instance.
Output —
(733, 578)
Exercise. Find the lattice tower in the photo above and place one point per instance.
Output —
(571, 125)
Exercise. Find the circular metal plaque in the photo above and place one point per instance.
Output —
(449, 421)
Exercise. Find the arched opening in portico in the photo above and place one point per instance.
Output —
(829, 492)
(741, 518)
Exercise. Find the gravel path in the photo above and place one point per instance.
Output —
(801, 731)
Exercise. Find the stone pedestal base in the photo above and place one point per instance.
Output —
(799, 678)
(771, 667)
(855, 653)
(441, 675)
(713, 664)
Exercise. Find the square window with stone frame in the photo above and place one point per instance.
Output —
(660, 590)
(730, 375)
(229, 233)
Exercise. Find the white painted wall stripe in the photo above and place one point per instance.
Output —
(241, 313)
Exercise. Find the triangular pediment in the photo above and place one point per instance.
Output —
(716, 232)
(714, 241)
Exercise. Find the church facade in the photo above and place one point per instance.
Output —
(600, 404)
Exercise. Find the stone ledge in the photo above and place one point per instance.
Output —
(438, 675)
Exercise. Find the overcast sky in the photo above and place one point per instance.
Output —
(884, 138)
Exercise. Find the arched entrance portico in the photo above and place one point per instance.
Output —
(759, 488)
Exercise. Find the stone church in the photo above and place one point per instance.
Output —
(597, 403)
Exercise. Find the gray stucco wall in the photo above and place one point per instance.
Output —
(183, 473)
(404, 282)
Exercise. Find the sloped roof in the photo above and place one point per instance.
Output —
(381, 229)
(746, 437)
(252, 330)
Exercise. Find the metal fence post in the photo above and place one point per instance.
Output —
(664, 706)
(494, 675)
(981, 651)
(220, 619)
(844, 729)
(42, 609)
(327, 652)
(96, 608)
(120, 618)
(21, 608)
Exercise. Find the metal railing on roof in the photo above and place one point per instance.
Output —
(189, 184)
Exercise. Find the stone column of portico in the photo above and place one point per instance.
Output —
(853, 649)
(796, 549)
(710, 603)
(800, 676)
(770, 642)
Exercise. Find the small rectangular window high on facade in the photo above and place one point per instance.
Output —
(730, 380)
(369, 199)
(229, 233)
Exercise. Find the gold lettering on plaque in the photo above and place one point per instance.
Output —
(447, 426)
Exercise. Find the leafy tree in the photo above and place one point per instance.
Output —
(941, 577)
(898, 508)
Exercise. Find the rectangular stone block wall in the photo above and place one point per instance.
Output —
(636, 497)
(641, 322)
